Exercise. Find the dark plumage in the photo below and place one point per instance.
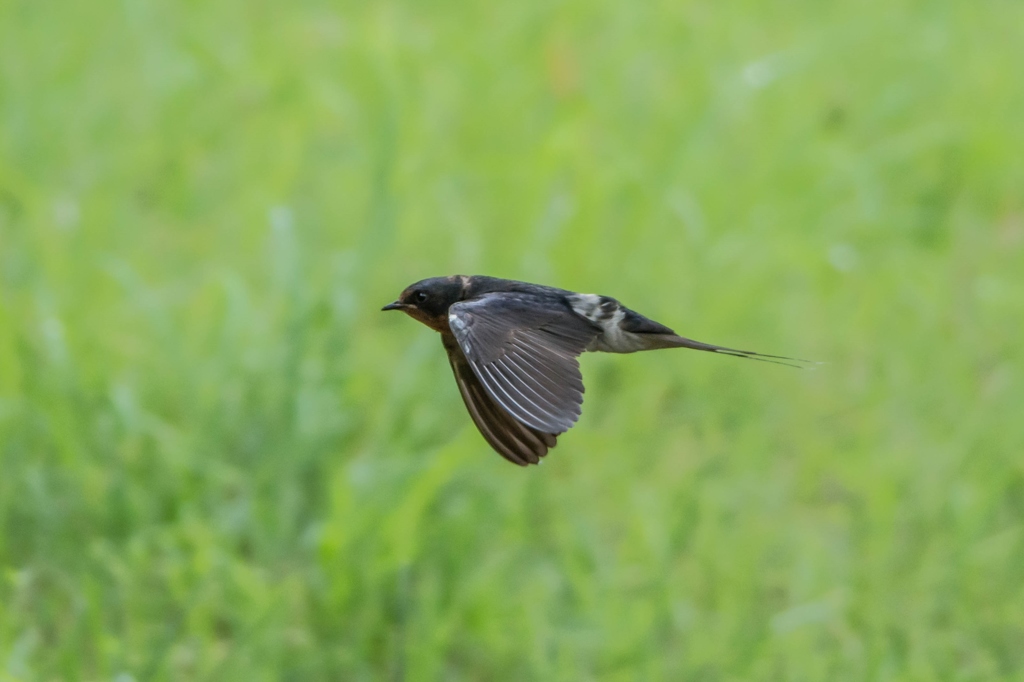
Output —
(513, 349)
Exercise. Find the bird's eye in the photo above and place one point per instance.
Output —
(420, 296)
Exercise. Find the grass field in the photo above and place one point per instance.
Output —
(219, 461)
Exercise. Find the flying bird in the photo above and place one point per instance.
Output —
(513, 349)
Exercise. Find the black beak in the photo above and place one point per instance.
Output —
(397, 305)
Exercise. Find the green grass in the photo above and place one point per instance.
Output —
(219, 461)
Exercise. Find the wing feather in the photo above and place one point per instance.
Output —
(523, 350)
(533, 390)
(510, 438)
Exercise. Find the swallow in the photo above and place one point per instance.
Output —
(513, 347)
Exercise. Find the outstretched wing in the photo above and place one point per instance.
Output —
(523, 351)
(513, 440)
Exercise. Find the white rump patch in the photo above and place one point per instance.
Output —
(586, 305)
(613, 338)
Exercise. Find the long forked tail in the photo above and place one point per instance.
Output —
(683, 342)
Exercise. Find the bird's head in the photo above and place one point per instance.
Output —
(428, 300)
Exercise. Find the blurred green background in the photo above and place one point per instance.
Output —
(219, 461)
